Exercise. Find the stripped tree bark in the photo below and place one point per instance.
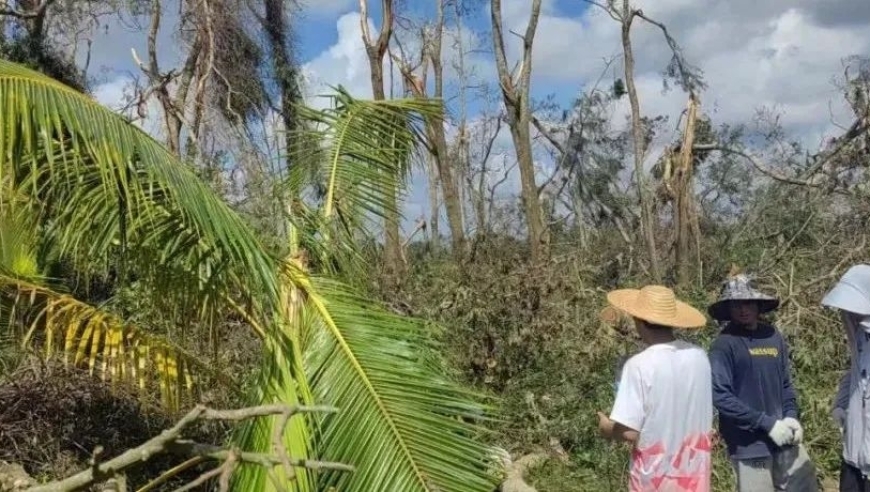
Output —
(515, 87)
(684, 195)
(415, 79)
(463, 164)
(449, 184)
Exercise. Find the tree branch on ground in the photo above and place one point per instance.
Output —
(171, 441)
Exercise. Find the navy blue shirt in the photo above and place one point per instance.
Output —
(751, 388)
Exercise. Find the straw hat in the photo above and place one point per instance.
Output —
(658, 305)
(740, 288)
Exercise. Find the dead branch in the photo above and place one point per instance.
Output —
(497, 184)
(856, 129)
(762, 168)
(171, 441)
(689, 83)
(380, 45)
(609, 9)
(832, 273)
(515, 471)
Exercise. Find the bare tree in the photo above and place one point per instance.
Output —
(462, 143)
(416, 84)
(515, 87)
(213, 83)
(376, 48)
(482, 195)
(449, 183)
(160, 83)
(647, 218)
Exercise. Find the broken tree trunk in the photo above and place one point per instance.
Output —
(684, 191)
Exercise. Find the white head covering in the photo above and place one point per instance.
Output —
(852, 294)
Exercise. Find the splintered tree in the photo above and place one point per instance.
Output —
(515, 87)
(684, 204)
(685, 75)
(676, 170)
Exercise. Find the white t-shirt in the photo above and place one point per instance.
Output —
(665, 393)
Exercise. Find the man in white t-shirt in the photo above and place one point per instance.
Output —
(664, 401)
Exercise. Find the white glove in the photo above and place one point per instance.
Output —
(839, 416)
(795, 426)
(781, 434)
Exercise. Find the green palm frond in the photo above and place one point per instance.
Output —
(101, 191)
(101, 185)
(89, 337)
(18, 240)
(282, 380)
(364, 148)
(400, 422)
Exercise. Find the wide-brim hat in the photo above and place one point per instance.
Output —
(740, 288)
(852, 292)
(658, 305)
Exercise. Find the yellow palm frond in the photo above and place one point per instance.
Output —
(86, 336)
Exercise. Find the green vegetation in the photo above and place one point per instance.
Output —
(243, 254)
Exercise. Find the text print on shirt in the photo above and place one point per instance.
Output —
(764, 352)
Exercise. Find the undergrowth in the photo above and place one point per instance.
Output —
(54, 417)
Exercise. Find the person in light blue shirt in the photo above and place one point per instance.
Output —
(759, 418)
(851, 295)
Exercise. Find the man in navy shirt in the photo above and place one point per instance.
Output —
(753, 393)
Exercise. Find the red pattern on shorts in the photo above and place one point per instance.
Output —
(686, 470)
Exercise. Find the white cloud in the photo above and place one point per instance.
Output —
(344, 63)
(780, 54)
(328, 7)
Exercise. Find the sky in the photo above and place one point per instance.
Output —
(783, 55)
